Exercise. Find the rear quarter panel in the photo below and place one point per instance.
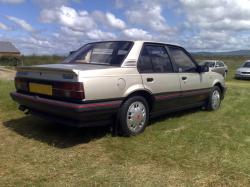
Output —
(110, 83)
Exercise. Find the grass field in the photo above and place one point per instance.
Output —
(192, 148)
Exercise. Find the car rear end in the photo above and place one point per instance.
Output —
(57, 94)
(73, 91)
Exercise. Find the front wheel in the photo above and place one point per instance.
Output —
(133, 116)
(214, 99)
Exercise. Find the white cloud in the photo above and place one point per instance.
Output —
(115, 22)
(3, 26)
(211, 35)
(48, 16)
(12, 1)
(135, 33)
(216, 25)
(100, 35)
(119, 3)
(22, 23)
(211, 25)
(50, 4)
(218, 15)
(71, 33)
(33, 44)
(108, 20)
(68, 17)
(148, 14)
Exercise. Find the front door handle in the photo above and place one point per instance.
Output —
(150, 79)
(184, 78)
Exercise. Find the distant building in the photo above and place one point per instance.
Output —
(7, 49)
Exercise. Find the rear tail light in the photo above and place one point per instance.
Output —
(21, 84)
(73, 90)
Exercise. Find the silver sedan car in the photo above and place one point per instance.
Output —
(216, 66)
(244, 71)
(118, 83)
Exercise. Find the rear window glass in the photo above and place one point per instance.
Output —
(105, 53)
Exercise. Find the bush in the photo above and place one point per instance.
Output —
(9, 61)
(37, 60)
(30, 60)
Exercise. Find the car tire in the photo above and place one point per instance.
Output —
(133, 116)
(214, 100)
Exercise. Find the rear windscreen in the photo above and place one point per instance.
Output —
(106, 53)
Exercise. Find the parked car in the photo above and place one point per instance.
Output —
(244, 71)
(217, 66)
(123, 81)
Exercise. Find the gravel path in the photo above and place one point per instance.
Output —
(7, 74)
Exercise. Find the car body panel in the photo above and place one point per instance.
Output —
(122, 81)
(164, 82)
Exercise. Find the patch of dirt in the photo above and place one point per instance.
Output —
(7, 74)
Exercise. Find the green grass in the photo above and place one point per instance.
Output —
(191, 148)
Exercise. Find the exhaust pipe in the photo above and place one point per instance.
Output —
(23, 109)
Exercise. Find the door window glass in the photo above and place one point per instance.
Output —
(182, 60)
(154, 59)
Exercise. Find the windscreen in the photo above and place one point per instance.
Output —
(104, 53)
(247, 65)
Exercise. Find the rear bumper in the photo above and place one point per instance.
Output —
(99, 113)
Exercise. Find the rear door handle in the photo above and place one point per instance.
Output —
(150, 79)
(184, 78)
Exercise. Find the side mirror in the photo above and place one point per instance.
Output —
(203, 69)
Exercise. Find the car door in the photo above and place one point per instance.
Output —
(194, 85)
(158, 76)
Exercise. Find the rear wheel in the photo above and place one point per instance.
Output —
(133, 116)
(214, 99)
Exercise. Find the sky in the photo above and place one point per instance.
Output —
(59, 26)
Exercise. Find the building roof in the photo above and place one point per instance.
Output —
(7, 47)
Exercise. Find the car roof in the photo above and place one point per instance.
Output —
(138, 41)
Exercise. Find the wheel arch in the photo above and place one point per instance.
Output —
(222, 88)
(144, 93)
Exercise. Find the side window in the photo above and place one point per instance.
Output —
(144, 63)
(182, 60)
(154, 59)
(220, 64)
